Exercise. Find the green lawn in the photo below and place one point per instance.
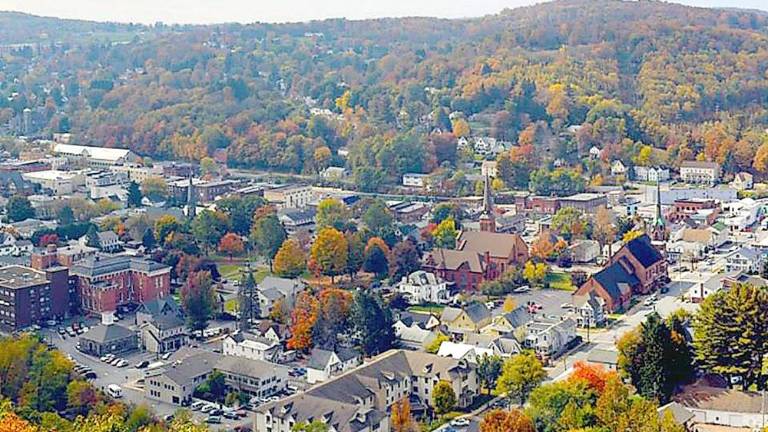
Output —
(233, 271)
(560, 281)
(428, 308)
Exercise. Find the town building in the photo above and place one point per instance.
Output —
(470, 318)
(700, 172)
(618, 168)
(108, 338)
(297, 220)
(100, 157)
(175, 383)
(289, 196)
(358, 401)
(66, 256)
(161, 326)
(746, 259)
(204, 191)
(105, 282)
(276, 291)
(478, 256)
(58, 182)
(423, 287)
(255, 378)
(29, 296)
(584, 202)
(724, 407)
(489, 169)
(637, 268)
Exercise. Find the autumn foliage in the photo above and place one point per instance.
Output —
(303, 319)
(231, 244)
(506, 421)
(595, 376)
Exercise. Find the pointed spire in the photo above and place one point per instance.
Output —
(659, 215)
(191, 202)
(487, 217)
(487, 198)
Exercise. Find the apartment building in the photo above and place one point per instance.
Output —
(29, 296)
(358, 400)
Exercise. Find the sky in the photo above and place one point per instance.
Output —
(245, 11)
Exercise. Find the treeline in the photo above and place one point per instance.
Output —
(398, 93)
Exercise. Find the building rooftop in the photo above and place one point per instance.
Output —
(15, 277)
(110, 154)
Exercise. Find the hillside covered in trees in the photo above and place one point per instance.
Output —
(647, 81)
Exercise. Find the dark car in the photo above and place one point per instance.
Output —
(142, 364)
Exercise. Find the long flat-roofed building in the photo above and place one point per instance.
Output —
(94, 156)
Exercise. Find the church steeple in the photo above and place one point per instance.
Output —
(487, 217)
(191, 202)
(659, 228)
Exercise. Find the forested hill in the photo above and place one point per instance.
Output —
(650, 82)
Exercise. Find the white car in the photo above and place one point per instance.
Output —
(197, 405)
(207, 408)
(460, 422)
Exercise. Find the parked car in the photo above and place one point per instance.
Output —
(522, 289)
(231, 415)
(460, 422)
(166, 356)
(197, 405)
(142, 364)
(213, 420)
(207, 408)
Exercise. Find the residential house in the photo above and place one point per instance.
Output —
(251, 346)
(412, 335)
(489, 169)
(743, 181)
(700, 172)
(594, 153)
(651, 174)
(467, 319)
(324, 364)
(478, 256)
(746, 259)
(415, 180)
(502, 346)
(585, 251)
(589, 310)
(463, 351)
(359, 400)
(550, 337)
(682, 415)
(161, 326)
(618, 168)
(108, 241)
(334, 173)
(276, 291)
(509, 322)
(423, 287)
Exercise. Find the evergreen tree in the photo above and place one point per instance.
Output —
(134, 195)
(372, 321)
(249, 308)
(92, 237)
(65, 215)
(148, 239)
(19, 209)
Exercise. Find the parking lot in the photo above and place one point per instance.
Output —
(550, 300)
(129, 378)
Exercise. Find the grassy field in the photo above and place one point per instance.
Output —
(233, 272)
(560, 281)
(428, 308)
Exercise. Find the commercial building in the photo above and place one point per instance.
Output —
(81, 156)
(29, 296)
(108, 339)
(105, 282)
(289, 196)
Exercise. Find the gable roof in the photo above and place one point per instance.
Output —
(107, 333)
(642, 249)
(615, 280)
(495, 243)
(451, 259)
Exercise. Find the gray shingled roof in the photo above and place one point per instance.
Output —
(107, 333)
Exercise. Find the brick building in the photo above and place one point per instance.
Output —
(29, 296)
(105, 282)
(50, 256)
(478, 256)
(637, 268)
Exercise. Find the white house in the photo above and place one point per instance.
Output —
(550, 337)
(334, 173)
(423, 287)
(595, 152)
(462, 351)
(324, 364)
(415, 180)
(618, 168)
(700, 172)
(651, 174)
(250, 346)
(743, 181)
(746, 259)
(489, 169)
